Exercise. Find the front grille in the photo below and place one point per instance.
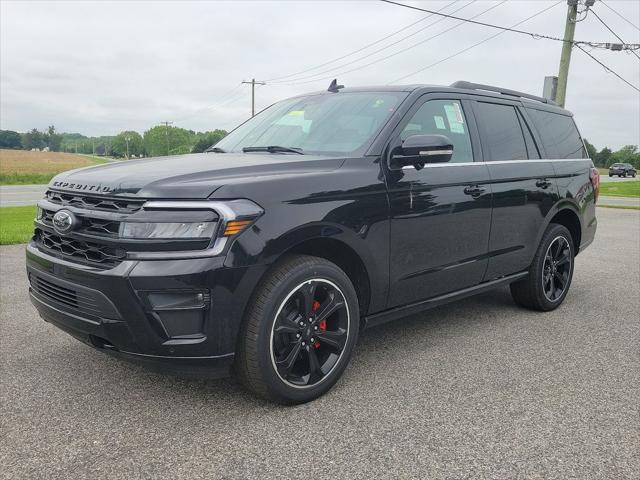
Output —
(91, 226)
(119, 205)
(95, 240)
(83, 302)
(90, 253)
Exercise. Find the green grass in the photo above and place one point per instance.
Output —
(16, 224)
(25, 178)
(95, 158)
(621, 207)
(620, 189)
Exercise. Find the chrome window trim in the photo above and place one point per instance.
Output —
(499, 162)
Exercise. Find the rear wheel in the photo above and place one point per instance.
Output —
(550, 273)
(299, 331)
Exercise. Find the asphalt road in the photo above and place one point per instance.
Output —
(19, 195)
(607, 178)
(477, 389)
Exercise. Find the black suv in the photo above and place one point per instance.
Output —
(322, 215)
(622, 170)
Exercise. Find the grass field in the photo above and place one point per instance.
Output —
(620, 189)
(20, 167)
(16, 224)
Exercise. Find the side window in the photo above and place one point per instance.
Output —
(442, 117)
(559, 134)
(532, 150)
(500, 132)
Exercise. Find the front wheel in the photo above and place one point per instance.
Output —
(550, 273)
(299, 331)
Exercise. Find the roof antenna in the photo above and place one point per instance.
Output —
(334, 87)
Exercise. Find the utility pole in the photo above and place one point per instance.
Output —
(567, 46)
(253, 94)
(166, 132)
(126, 139)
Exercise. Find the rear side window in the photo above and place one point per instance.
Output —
(558, 133)
(502, 137)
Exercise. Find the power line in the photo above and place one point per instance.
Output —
(331, 75)
(361, 48)
(621, 16)
(614, 33)
(459, 52)
(360, 67)
(609, 70)
(224, 99)
(633, 46)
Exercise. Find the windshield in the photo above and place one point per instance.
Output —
(330, 124)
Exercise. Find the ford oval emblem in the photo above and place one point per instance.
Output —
(64, 221)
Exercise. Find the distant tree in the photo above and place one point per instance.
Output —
(127, 143)
(206, 139)
(53, 139)
(10, 139)
(591, 150)
(34, 139)
(603, 158)
(158, 140)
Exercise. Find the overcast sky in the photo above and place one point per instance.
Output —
(98, 68)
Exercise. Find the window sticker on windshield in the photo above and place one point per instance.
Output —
(439, 122)
(454, 115)
(378, 103)
(296, 113)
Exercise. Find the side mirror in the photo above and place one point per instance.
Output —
(417, 150)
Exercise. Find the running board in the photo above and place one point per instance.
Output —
(413, 308)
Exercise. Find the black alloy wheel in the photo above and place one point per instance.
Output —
(309, 333)
(556, 269)
(299, 330)
(550, 273)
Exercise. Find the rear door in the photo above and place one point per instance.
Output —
(523, 185)
(440, 214)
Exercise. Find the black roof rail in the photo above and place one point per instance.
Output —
(503, 91)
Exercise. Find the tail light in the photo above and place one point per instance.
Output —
(594, 175)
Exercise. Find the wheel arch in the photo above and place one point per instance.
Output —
(567, 216)
(345, 257)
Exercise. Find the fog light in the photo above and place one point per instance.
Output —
(176, 300)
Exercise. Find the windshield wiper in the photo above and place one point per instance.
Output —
(273, 149)
(215, 150)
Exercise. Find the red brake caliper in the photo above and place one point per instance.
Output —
(322, 324)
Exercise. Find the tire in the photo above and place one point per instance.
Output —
(540, 290)
(275, 353)
(610, 175)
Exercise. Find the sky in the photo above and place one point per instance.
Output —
(102, 67)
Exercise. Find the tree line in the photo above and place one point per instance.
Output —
(167, 140)
(157, 141)
(606, 157)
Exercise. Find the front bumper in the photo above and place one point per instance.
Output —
(109, 309)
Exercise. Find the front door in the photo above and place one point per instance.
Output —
(440, 214)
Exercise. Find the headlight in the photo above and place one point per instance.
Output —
(167, 230)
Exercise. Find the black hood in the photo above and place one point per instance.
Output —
(194, 176)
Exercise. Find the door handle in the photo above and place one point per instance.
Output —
(474, 190)
(543, 183)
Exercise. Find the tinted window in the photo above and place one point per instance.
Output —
(502, 137)
(329, 124)
(443, 117)
(559, 134)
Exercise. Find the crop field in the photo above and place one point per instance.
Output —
(20, 167)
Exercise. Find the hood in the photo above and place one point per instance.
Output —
(193, 176)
